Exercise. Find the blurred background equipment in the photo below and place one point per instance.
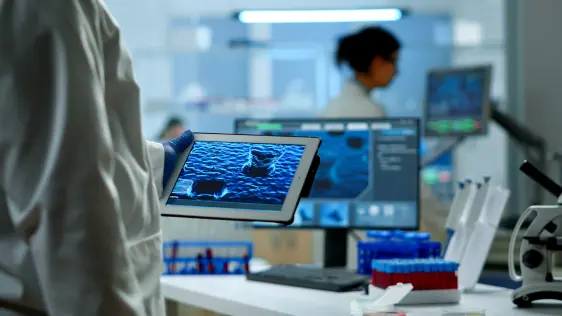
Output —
(458, 102)
(458, 105)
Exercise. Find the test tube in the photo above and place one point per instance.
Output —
(225, 266)
(200, 262)
(175, 249)
(246, 263)
(210, 266)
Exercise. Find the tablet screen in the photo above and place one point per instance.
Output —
(237, 175)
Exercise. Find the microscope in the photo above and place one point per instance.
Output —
(541, 239)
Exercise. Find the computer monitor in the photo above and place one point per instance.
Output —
(457, 102)
(368, 176)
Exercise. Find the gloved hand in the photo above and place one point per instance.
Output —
(172, 149)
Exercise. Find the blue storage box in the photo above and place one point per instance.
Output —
(394, 245)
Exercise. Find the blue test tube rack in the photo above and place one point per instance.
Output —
(423, 274)
(396, 244)
(199, 262)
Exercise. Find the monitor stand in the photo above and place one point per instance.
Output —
(335, 248)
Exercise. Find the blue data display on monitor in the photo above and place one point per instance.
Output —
(456, 95)
(237, 175)
(368, 175)
(457, 101)
(343, 172)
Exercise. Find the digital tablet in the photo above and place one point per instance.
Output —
(241, 178)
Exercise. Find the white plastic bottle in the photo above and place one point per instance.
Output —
(459, 239)
(479, 243)
(455, 212)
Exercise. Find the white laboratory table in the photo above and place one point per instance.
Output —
(234, 296)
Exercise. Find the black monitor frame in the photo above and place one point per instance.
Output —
(238, 122)
(486, 99)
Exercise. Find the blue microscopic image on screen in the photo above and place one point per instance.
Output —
(334, 214)
(456, 95)
(236, 175)
(344, 165)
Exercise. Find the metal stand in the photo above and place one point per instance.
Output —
(527, 139)
(335, 248)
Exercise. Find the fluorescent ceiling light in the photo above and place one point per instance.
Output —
(315, 16)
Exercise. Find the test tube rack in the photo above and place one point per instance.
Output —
(201, 258)
(434, 280)
(382, 245)
(423, 274)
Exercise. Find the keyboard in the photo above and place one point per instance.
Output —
(333, 280)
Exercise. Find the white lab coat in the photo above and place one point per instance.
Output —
(354, 102)
(79, 213)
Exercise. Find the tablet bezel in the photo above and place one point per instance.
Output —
(287, 212)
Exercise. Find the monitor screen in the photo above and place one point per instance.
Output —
(368, 176)
(234, 175)
(457, 102)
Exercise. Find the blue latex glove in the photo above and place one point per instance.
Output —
(172, 149)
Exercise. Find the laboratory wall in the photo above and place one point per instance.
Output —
(221, 71)
(535, 71)
(443, 32)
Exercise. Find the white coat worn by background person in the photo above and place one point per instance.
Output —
(354, 102)
(79, 212)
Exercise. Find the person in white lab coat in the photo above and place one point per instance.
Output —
(79, 187)
(174, 127)
(372, 53)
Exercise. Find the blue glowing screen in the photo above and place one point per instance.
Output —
(237, 175)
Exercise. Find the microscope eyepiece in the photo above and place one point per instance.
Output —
(542, 179)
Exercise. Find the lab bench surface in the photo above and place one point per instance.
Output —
(234, 296)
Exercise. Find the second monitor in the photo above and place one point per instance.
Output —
(368, 176)
(457, 101)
